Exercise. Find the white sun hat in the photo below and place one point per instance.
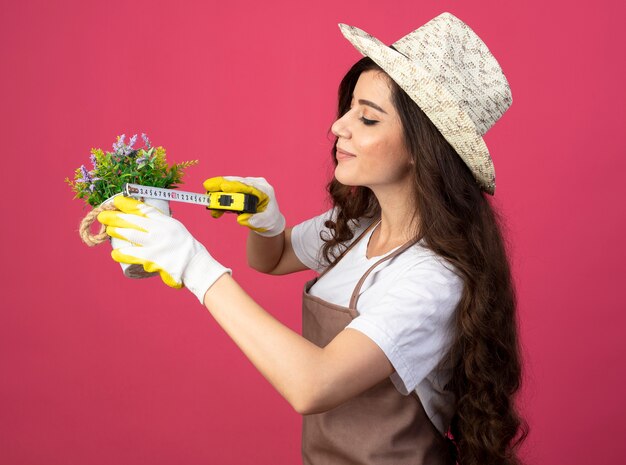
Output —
(452, 76)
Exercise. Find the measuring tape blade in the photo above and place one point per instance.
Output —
(137, 190)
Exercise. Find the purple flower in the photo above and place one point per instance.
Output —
(145, 139)
(132, 142)
(92, 157)
(121, 148)
(120, 143)
(87, 177)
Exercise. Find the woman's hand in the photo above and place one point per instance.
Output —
(162, 244)
(268, 221)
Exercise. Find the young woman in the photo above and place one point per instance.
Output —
(409, 351)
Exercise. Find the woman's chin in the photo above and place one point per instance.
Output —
(344, 178)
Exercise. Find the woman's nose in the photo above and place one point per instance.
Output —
(340, 128)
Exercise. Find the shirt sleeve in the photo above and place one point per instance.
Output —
(307, 242)
(412, 322)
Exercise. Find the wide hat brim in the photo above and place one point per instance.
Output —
(435, 100)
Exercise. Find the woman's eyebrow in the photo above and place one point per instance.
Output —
(371, 104)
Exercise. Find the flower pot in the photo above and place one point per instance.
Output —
(131, 270)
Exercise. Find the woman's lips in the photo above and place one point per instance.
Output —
(341, 155)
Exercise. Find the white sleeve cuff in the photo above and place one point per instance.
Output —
(278, 228)
(202, 272)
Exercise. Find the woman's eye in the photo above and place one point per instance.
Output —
(368, 122)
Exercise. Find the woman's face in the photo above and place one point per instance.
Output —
(370, 145)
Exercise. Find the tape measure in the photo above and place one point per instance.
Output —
(235, 202)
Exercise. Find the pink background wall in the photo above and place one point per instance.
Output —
(99, 369)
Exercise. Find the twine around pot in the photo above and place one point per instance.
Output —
(85, 226)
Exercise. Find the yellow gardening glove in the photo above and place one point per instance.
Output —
(268, 221)
(160, 243)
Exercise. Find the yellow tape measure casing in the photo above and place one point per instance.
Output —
(227, 201)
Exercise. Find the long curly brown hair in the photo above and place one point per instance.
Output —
(456, 221)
